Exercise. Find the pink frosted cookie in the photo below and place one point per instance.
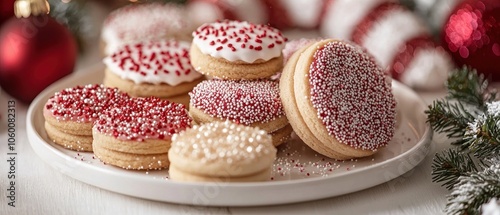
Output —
(154, 68)
(141, 22)
(70, 113)
(237, 50)
(338, 100)
(252, 103)
(137, 133)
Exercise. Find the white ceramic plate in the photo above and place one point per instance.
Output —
(299, 173)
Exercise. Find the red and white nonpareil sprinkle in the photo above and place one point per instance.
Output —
(83, 103)
(139, 119)
(236, 40)
(243, 102)
(351, 96)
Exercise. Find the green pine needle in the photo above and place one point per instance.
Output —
(467, 86)
(474, 190)
(486, 143)
(467, 114)
(448, 166)
(452, 119)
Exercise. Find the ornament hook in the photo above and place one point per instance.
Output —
(26, 8)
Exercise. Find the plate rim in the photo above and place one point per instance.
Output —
(34, 137)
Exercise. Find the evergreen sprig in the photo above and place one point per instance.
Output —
(469, 114)
(467, 86)
(474, 190)
(450, 165)
(485, 142)
(450, 118)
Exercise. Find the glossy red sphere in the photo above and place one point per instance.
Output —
(472, 36)
(34, 53)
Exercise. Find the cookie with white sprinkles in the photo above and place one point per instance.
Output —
(221, 152)
(338, 100)
(144, 22)
(70, 113)
(251, 103)
(237, 50)
(137, 133)
(153, 68)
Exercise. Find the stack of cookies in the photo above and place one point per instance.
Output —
(131, 133)
(338, 99)
(240, 57)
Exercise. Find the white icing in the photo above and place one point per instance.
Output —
(344, 15)
(391, 32)
(160, 56)
(303, 13)
(252, 11)
(144, 22)
(205, 34)
(428, 69)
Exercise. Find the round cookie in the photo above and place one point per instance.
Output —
(153, 68)
(221, 151)
(237, 50)
(251, 103)
(137, 134)
(143, 22)
(340, 105)
(70, 113)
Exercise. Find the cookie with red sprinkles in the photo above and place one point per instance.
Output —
(137, 133)
(237, 50)
(153, 68)
(251, 103)
(70, 113)
(338, 100)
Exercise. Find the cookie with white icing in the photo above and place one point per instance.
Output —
(237, 50)
(154, 68)
(221, 152)
(337, 100)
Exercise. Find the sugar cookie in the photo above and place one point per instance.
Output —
(137, 134)
(221, 152)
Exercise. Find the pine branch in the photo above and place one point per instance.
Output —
(448, 166)
(486, 143)
(467, 86)
(473, 191)
(452, 119)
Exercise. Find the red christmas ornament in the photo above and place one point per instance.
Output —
(34, 53)
(471, 35)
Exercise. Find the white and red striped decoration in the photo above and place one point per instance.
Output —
(396, 37)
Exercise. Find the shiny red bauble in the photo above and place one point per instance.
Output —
(34, 53)
(472, 36)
